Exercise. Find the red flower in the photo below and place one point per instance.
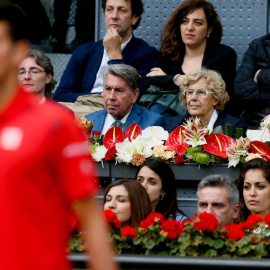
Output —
(113, 135)
(267, 219)
(129, 232)
(260, 148)
(235, 231)
(151, 220)
(206, 221)
(111, 219)
(95, 132)
(179, 160)
(173, 228)
(146, 223)
(110, 153)
(251, 220)
(156, 217)
(217, 144)
(176, 141)
(133, 131)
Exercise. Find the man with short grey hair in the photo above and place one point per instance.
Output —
(218, 195)
(120, 92)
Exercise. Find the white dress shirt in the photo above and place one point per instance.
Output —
(98, 85)
(109, 120)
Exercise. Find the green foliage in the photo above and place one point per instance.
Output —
(218, 129)
(239, 133)
(229, 130)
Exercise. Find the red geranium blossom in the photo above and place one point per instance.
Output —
(235, 231)
(156, 217)
(206, 221)
(146, 223)
(111, 219)
(267, 219)
(173, 228)
(129, 232)
(251, 220)
(151, 220)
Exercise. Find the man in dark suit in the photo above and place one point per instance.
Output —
(121, 90)
(84, 72)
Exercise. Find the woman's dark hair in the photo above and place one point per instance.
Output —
(172, 44)
(136, 9)
(168, 204)
(45, 62)
(257, 163)
(139, 199)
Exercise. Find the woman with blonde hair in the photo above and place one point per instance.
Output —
(204, 94)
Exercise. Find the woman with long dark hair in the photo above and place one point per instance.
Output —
(254, 188)
(128, 200)
(158, 179)
(191, 40)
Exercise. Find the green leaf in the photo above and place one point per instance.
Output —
(218, 129)
(218, 243)
(211, 253)
(229, 131)
(239, 133)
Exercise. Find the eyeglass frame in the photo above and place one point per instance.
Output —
(195, 91)
(37, 70)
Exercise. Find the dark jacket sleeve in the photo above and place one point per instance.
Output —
(80, 73)
(245, 86)
(166, 82)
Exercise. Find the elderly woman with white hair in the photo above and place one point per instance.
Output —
(204, 94)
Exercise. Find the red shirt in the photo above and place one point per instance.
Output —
(44, 166)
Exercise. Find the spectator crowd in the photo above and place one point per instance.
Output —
(43, 151)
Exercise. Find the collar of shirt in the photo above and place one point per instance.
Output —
(212, 120)
(109, 120)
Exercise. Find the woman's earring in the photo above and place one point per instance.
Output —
(162, 197)
(207, 36)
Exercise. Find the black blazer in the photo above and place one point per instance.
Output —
(220, 58)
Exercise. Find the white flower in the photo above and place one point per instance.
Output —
(99, 152)
(252, 156)
(158, 133)
(124, 151)
(256, 135)
(236, 151)
(143, 146)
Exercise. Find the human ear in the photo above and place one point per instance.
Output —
(236, 210)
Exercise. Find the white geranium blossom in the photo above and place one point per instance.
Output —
(99, 152)
(125, 151)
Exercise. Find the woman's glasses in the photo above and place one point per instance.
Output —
(33, 72)
(199, 92)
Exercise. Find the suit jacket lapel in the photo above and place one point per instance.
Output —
(93, 65)
(99, 122)
(134, 116)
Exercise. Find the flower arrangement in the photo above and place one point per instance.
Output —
(187, 143)
(201, 236)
